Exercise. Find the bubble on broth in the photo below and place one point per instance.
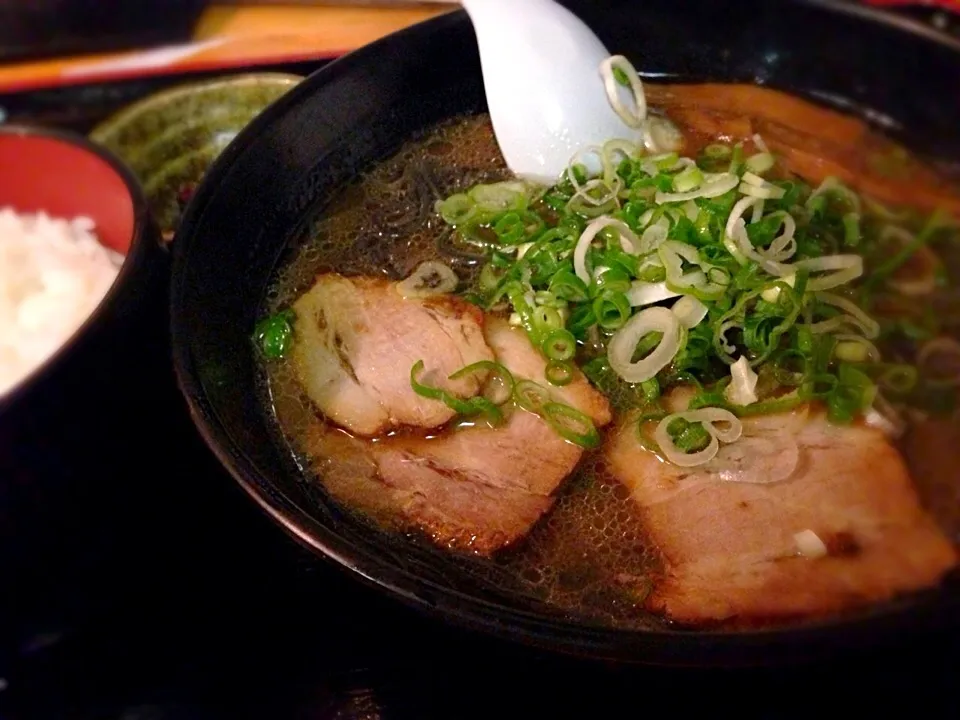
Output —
(590, 555)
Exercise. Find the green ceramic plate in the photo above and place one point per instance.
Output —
(169, 139)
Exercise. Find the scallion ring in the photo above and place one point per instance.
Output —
(530, 396)
(571, 424)
(497, 371)
(458, 405)
(623, 344)
(559, 345)
(559, 372)
(612, 310)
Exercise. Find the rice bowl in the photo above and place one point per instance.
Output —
(53, 273)
(90, 352)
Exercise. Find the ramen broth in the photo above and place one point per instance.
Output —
(589, 555)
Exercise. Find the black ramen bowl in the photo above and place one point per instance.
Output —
(72, 431)
(258, 201)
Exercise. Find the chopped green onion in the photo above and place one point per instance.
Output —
(714, 158)
(790, 367)
(851, 229)
(489, 278)
(666, 161)
(571, 424)
(623, 396)
(647, 343)
(457, 209)
(716, 151)
(497, 370)
(823, 354)
(500, 197)
(817, 205)
(612, 310)
(899, 379)
(760, 163)
(894, 378)
(510, 229)
(849, 351)
(559, 372)
(819, 386)
(559, 345)
(853, 393)
(774, 266)
(770, 407)
(274, 334)
(650, 389)
(532, 319)
(566, 285)
(762, 327)
(482, 406)
(546, 319)
(473, 406)
(548, 299)
(530, 396)
(612, 280)
(456, 404)
(688, 437)
(736, 160)
(890, 266)
(688, 179)
(581, 320)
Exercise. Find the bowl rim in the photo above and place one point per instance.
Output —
(925, 611)
(133, 111)
(127, 270)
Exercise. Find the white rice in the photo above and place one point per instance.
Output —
(53, 273)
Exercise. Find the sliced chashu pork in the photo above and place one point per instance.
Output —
(475, 488)
(931, 446)
(728, 538)
(356, 340)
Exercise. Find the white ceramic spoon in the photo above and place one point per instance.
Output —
(541, 75)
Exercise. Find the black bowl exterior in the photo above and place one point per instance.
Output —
(257, 201)
(72, 439)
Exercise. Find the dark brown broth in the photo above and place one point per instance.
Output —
(588, 556)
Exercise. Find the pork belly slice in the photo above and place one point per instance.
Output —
(931, 449)
(729, 546)
(477, 488)
(356, 340)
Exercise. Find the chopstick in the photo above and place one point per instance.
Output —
(342, 3)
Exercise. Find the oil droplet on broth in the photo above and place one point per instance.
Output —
(588, 557)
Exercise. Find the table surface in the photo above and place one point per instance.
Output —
(227, 36)
(246, 624)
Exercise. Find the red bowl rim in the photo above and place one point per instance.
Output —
(141, 220)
